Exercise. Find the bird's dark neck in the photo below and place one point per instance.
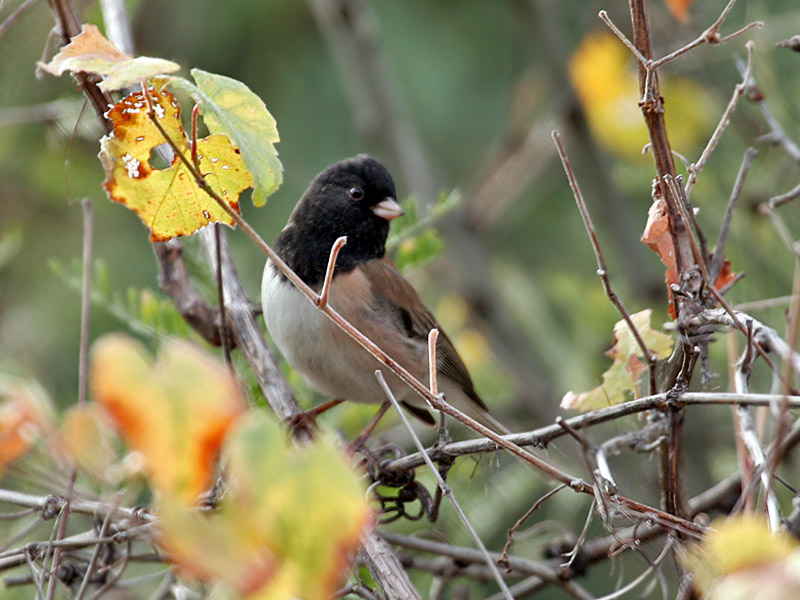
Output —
(307, 252)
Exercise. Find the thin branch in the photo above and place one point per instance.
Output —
(602, 269)
(776, 131)
(749, 436)
(433, 335)
(764, 304)
(86, 300)
(112, 581)
(704, 37)
(16, 15)
(542, 436)
(503, 560)
(83, 360)
(471, 556)
(223, 328)
(37, 579)
(96, 554)
(766, 337)
(446, 491)
(653, 566)
(326, 284)
(738, 91)
(782, 199)
(616, 30)
(719, 250)
(792, 340)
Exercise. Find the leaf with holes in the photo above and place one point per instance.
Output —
(169, 201)
(91, 52)
(229, 107)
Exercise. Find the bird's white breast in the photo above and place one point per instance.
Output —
(328, 359)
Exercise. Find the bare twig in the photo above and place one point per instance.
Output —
(749, 435)
(645, 62)
(602, 269)
(16, 15)
(777, 133)
(86, 299)
(471, 556)
(738, 91)
(326, 284)
(782, 415)
(83, 361)
(96, 554)
(433, 335)
(503, 560)
(653, 566)
(544, 435)
(719, 250)
(781, 199)
(446, 491)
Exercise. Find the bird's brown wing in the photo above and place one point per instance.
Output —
(393, 294)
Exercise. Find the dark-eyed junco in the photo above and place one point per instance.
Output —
(356, 198)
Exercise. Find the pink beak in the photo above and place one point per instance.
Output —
(388, 209)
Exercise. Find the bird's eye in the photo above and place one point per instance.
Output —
(356, 193)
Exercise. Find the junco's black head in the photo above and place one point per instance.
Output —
(356, 198)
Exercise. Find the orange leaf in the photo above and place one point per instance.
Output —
(90, 52)
(175, 412)
(726, 275)
(679, 9)
(288, 525)
(25, 416)
(168, 201)
(659, 239)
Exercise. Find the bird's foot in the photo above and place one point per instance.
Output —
(308, 418)
(357, 443)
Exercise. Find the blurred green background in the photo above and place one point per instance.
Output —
(478, 86)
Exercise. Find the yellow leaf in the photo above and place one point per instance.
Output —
(605, 78)
(287, 526)
(91, 52)
(625, 344)
(175, 412)
(741, 553)
(621, 378)
(168, 201)
(87, 440)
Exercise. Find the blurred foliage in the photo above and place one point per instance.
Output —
(474, 76)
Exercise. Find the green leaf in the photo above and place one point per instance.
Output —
(288, 525)
(228, 106)
(416, 251)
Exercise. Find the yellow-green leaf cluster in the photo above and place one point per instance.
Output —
(289, 519)
(740, 559)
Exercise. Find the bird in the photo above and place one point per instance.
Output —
(356, 198)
